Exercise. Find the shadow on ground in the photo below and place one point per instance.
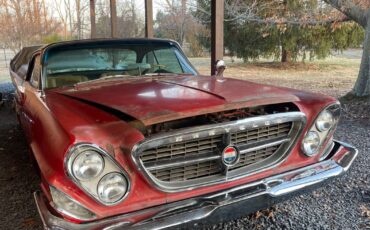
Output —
(18, 179)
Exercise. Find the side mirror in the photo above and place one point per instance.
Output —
(220, 68)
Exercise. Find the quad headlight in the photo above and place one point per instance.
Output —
(96, 172)
(311, 143)
(325, 121)
(321, 130)
(112, 187)
(87, 165)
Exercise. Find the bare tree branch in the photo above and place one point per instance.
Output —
(352, 10)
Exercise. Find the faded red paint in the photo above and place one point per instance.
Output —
(153, 100)
(66, 121)
(59, 119)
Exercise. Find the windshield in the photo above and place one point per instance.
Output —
(64, 67)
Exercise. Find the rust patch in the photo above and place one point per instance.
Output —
(125, 149)
(110, 150)
(160, 113)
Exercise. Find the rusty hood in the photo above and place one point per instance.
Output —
(158, 99)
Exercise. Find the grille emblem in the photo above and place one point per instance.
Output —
(230, 156)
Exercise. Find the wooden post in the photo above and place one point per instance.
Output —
(149, 19)
(217, 33)
(78, 10)
(113, 18)
(92, 19)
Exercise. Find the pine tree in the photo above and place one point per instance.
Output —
(287, 30)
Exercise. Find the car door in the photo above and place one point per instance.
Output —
(31, 98)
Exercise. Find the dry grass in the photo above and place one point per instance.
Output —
(334, 76)
(4, 75)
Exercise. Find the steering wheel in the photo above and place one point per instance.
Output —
(160, 69)
(159, 66)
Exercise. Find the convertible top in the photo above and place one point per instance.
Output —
(19, 63)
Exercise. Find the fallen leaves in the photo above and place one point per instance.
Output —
(268, 213)
(30, 222)
(365, 211)
(316, 194)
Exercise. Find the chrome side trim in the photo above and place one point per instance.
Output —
(299, 122)
(201, 208)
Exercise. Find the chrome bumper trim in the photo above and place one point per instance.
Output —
(261, 193)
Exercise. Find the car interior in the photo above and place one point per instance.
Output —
(70, 67)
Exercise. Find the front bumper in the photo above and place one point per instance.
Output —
(220, 206)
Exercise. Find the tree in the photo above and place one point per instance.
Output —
(172, 19)
(175, 21)
(358, 11)
(130, 22)
(25, 22)
(286, 30)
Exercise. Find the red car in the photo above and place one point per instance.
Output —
(126, 134)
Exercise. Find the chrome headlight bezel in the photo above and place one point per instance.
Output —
(90, 186)
(324, 134)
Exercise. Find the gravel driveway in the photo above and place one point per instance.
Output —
(342, 204)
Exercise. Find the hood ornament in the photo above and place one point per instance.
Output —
(220, 68)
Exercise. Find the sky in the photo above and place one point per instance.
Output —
(139, 3)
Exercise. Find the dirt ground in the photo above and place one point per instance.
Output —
(18, 178)
(343, 204)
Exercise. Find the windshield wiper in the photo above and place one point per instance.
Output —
(114, 76)
(69, 70)
(168, 74)
(104, 78)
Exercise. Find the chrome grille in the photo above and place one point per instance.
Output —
(264, 133)
(188, 172)
(193, 156)
(255, 156)
(181, 150)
